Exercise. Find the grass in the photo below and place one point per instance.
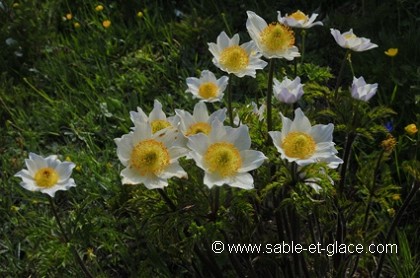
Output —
(68, 90)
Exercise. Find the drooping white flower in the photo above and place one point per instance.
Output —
(362, 91)
(274, 40)
(350, 41)
(207, 88)
(288, 91)
(231, 57)
(314, 182)
(299, 19)
(199, 121)
(304, 144)
(157, 118)
(47, 175)
(150, 158)
(225, 156)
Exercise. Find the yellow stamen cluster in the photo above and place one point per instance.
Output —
(200, 127)
(46, 177)
(298, 15)
(234, 58)
(350, 36)
(277, 37)
(298, 145)
(157, 125)
(223, 158)
(149, 157)
(208, 90)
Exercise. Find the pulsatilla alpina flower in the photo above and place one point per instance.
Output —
(350, 41)
(288, 91)
(274, 40)
(304, 144)
(231, 57)
(299, 19)
(150, 158)
(362, 91)
(225, 156)
(156, 119)
(47, 175)
(200, 121)
(207, 87)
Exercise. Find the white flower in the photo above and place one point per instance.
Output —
(351, 41)
(362, 91)
(274, 41)
(231, 57)
(304, 144)
(225, 156)
(288, 91)
(47, 175)
(200, 121)
(258, 111)
(150, 159)
(299, 20)
(156, 119)
(315, 181)
(207, 87)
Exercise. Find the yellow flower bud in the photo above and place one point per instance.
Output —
(411, 129)
(392, 52)
(69, 16)
(76, 25)
(106, 23)
(99, 8)
(140, 14)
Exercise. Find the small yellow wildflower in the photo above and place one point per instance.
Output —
(389, 143)
(76, 25)
(90, 254)
(140, 14)
(14, 208)
(392, 52)
(78, 168)
(391, 212)
(106, 23)
(68, 158)
(69, 16)
(15, 5)
(99, 8)
(411, 129)
(396, 197)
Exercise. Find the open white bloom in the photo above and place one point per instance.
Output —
(350, 41)
(231, 57)
(157, 118)
(199, 121)
(150, 158)
(304, 144)
(225, 156)
(275, 40)
(207, 87)
(288, 91)
(299, 19)
(47, 175)
(362, 91)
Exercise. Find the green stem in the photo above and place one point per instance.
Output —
(269, 97)
(347, 151)
(340, 73)
(302, 52)
(167, 200)
(229, 100)
(67, 241)
(395, 221)
(350, 63)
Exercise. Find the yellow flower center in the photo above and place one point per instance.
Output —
(350, 36)
(200, 127)
(46, 177)
(276, 37)
(208, 90)
(159, 125)
(234, 58)
(223, 158)
(149, 157)
(298, 145)
(298, 15)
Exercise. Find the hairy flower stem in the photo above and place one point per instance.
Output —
(351, 136)
(415, 187)
(229, 100)
(340, 73)
(270, 97)
(302, 50)
(67, 241)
